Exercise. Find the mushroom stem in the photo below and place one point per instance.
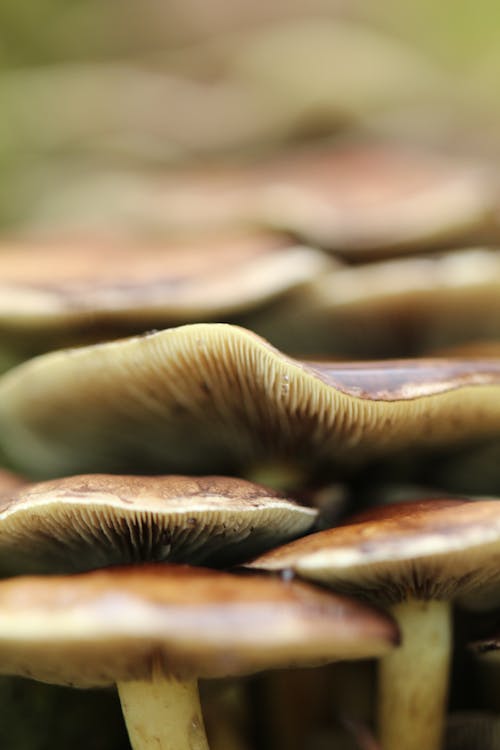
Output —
(163, 714)
(413, 679)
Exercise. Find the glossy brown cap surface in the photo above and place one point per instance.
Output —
(109, 625)
(434, 549)
(90, 521)
(214, 397)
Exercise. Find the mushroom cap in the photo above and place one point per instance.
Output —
(214, 397)
(84, 522)
(361, 199)
(398, 307)
(73, 282)
(111, 625)
(77, 292)
(432, 549)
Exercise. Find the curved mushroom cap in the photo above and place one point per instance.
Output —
(398, 307)
(432, 549)
(92, 521)
(110, 625)
(215, 397)
(59, 283)
(361, 199)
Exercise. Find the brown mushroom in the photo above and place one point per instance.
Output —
(66, 291)
(155, 630)
(400, 307)
(213, 397)
(414, 558)
(84, 522)
(360, 199)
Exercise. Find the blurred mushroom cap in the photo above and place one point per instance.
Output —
(425, 305)
(111, 625)
(361, 199)
(70, 281)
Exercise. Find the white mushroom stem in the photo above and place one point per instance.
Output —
(163, 714)
(413, 679)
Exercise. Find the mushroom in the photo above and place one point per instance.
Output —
(414, 558)
(214, 397)
(155, 630)
(84, 522)
(362, 199)
(400, 307)
(66, 291)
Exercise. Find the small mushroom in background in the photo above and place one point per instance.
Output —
(155, 630)
(214, 397)
(294, 58)
(413, 306)
(91, 521)
(414, 558)
(408, 199)
(74, 291)
(359, 199)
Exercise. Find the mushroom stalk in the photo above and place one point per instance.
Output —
(163, 714)
(413, 679)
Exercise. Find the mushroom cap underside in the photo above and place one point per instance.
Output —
(216, 397)
(84, 522)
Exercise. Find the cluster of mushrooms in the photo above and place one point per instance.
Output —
(183, 500)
